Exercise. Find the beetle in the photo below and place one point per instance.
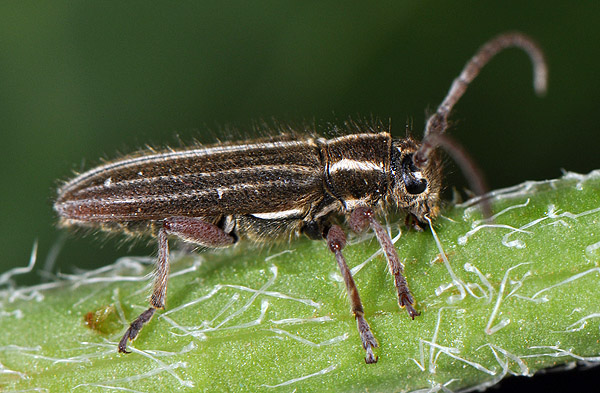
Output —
(281, 187)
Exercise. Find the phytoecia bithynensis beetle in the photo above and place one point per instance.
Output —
(284, 187)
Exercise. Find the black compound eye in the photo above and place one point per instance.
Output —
(411, 175)
(414, 186)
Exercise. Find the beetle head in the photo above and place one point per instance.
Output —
(415, 189)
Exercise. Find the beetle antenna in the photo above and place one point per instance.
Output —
(468, 167)
(438, 122)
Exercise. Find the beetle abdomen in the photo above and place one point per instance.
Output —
(235, 179)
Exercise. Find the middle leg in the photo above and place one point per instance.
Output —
(336, 240)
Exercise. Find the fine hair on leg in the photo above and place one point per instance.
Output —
(191, 229)
(336, 240)
(362, 217)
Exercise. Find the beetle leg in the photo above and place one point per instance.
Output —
(411, 222)
(135, 328)
(190, 229)
(336, 240)
(362, 217)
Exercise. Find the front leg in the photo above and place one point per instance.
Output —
(362, 217)
(190, 229)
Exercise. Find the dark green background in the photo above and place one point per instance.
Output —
(80, 81)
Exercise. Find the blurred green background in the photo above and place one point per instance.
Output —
(85, 80)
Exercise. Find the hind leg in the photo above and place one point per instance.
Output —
(190, 229)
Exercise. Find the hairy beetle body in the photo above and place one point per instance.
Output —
(270, 189)
(264, 190)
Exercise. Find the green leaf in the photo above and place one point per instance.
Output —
(518, 294)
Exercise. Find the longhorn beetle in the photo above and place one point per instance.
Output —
(261, 190)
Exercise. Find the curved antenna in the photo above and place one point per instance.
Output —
(438, 122)
(468, 167)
